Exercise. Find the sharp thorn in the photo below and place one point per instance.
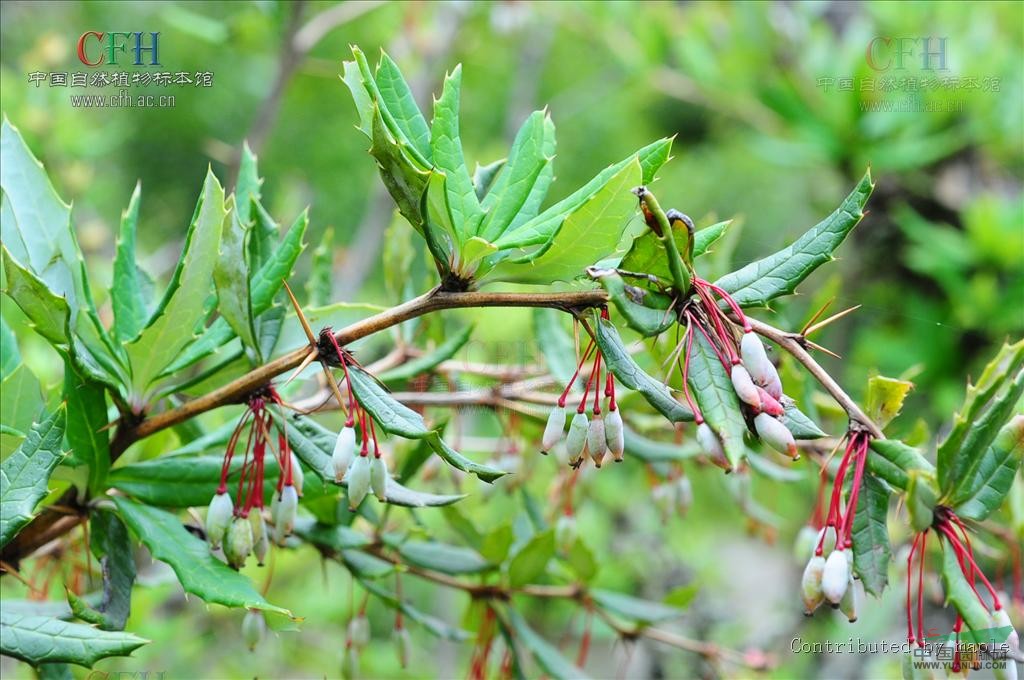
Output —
(305, 362)
(298, 313)
(814, 345)
(835, 317)
(817, 314)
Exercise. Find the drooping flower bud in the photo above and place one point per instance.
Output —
(350, 664)
(810, 586)
(805, 543)
(615, 434)
(260, 540)
(684, 494)
(761, 369)
(827, 538)
(287, 509)
(359, 631)
(850, 602)
(358, 481)
(596, 442)
(708, 441)
(218, 516)
(775, 434)
(744, 386)
(403, 645)
(379, 478)
(565, 532)
(553, 430)
(770, 404)
(344, 451)
(254, 628)
(297, 475)
(836, 578)
(577, 438)
(238, 542)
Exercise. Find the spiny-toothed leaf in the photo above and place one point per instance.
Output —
(181, 481)
(588, 234)
(112, 545)
(641, 308)
(648, 255)
(653, 156)
(43, 640)
(463, 205)
(47, 312)
(983, 489)
(894, 460)
(199, 572)
(22, 405)
(484, 176)
(129, 289)
(756, 284)
(626, 370)
(430, 360)
(404, 179)
(520, 183)
(264, 286)
(10, 356)
(799, 424)
(960, 593)
(397, 97)
(171, 330)
(366, 566)
(353, 79)
(885, 398)
(547, 655)
(634, 608)
(331, 537)
(87, 425)
(396, 418)
(543, 227)
(314, 444)
(25, 473)
(1007, 363)
(871, 550)
(231, 277)
(711, 386)
(319, 283)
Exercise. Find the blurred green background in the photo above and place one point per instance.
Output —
(765, 132)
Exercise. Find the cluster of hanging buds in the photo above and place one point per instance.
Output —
(363, 470)
(828, 576)
(952, 535)
(599, 435)
(239, 524)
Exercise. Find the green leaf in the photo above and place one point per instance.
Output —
(231, 278)
(25, 473)
(331, 537)
(353, 79)
(711, 386)
(396, 96)
(10, 356)
(871, 550)
(633, 608)
(54, 671)
(531, 561)
(171, 328)
(983, 489)
(756, 284)
(799, 424)
(922, 499)
(179, 481)
(649, 256)
(626, 370)
(199, 572)
(484, 176)
(497, 543)
(87, 425)
(427, 362)
(21, 405)
(885, 398)
(41, 640)
(641, 308)
(547, 655)
(463, 205)
(894, 460)
(589, 233)
(319, 284)
(396, 418)
(448, 559)
(651, 451)
(433, 625)
(524, 180)
(366, 566)
(582, 561)
(960, 594)
(128, 290)
(543, 228)
(47, 312)
(111, 543)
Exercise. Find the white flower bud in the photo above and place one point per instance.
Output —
(773, 385)
(684, 494)
(708, 441)
(836, 576)
(287, 509)
(810, 585)
(359, 631)
(260, 540)
(577, 438)
(615, 434)
(744, 386)
(565, 532)
(806, 541)
(379, 478)
(849, 604)
(770, 404)
(238, 542)
(298, 477)
(254, 628)
(554, 429)
(275, 505)
(403, 645)
(358, 481)
(830, 535)
(344, 452)
(596, 442)
(761, 369)
(350, 664)
(775, 434)
(218, 516)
